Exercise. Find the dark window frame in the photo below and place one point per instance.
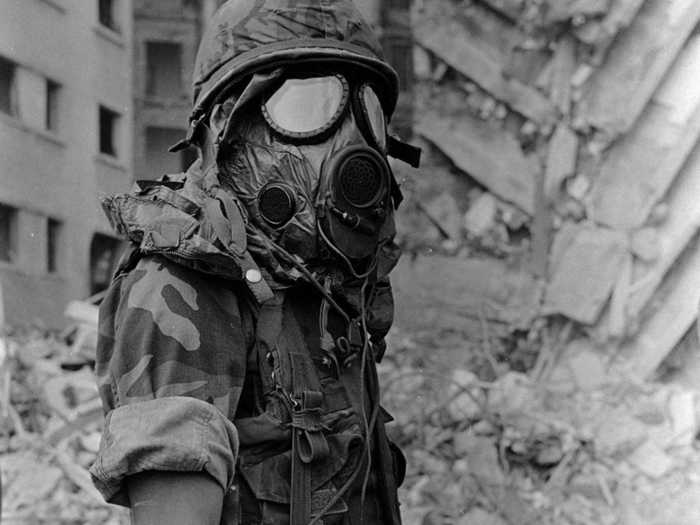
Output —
(108, 130)
(8, 233)
(51, 118)
(8, 92)
(53, 240)
(152, 86)
(105, 252)
(106, 14)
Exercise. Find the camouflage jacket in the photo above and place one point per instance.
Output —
(184, 363)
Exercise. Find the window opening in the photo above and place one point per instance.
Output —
(52, 89)
(164, 69)
(104, 254)
(8, 95)
(53, 238)
(158, 159)
(108, 131)
(106, 11)
(8, 233)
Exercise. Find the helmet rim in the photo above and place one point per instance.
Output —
(295, 52)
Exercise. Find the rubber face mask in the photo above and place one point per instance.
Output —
(308, 162)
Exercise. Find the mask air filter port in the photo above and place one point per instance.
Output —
(361, 178)
(276, 204)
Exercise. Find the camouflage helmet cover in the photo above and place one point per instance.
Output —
(245, 36)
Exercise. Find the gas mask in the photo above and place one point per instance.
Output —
(306, 154)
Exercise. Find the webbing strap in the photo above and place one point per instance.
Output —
(269, 327)
(309, 443)
(285, 363)
(300, 497)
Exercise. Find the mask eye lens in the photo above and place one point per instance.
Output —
(305, 107)
(276, 204)
(374, 114)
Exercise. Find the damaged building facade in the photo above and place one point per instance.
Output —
(91, 106)
(166, 36)
(65, 119)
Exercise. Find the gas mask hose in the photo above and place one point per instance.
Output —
(343, 257)
(368, 424)
(276, 248)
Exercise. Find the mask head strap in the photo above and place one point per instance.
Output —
(403, 151)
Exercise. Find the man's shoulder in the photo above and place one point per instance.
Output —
(166, 289)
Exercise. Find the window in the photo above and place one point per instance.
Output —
(8, 95)
(106, 14)
(108, 131)
(164, 69)
(8, 233)
(104, 254)
(53, 237)
(158, 159)
(52, 89)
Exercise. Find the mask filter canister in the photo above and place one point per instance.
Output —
(360, 179)
(357, 205)
(276, 204)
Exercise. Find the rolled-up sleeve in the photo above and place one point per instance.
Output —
(170, 364)
(170, 434)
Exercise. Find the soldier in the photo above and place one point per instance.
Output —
(238, 339)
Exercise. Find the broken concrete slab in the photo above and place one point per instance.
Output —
(619, 434)
(455, 45)
(587, 366)
(445, 212)
(561, 160)
(620, 89)
(485, 152)
(585, 261)
(437, 292)
(482, 455)
(651, 460)
(481, 215)
(681, 409)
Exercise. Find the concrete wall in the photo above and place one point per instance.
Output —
(59, 173)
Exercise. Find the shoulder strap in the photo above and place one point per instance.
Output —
(286, 367)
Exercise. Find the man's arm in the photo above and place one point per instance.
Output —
(176, 498)
(171, 363)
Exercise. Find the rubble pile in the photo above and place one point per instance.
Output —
(560, 141)
(573, 442)
(50, 425)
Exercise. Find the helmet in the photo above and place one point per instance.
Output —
(246, 36)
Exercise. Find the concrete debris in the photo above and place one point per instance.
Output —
(50, 433)
(578, 186)
(510, 393)
(482, 455)
(585, 260)
(561, 160)
(478, 516)
(481, 215)
(445, 212)
(681, 407)
(467, 399)
(651, 460)
(644, 243)
(488, 154)
(619, 433)
(549, 455)
(587, 366)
